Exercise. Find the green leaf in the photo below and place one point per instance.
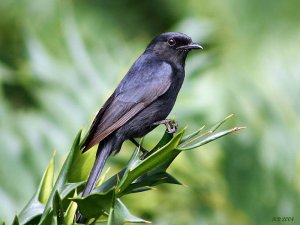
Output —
(58, 210)
(134, 160)
(130, 190)
(120, 215)
(69, 187)
(147, 181)
(163, 141)
(142, 166)
(164, 165)
(198, 139)
(95, 204)
(16, 221)
(47, 182)
(71, 211)
(208, 139)
(139, 175)
(215, 127)
(35, 207)
(187, 137)
(31, 211)
(63, 176)
(82, 165)
(48, 219)
(110, 183)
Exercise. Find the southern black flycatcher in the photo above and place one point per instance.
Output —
(142, 100)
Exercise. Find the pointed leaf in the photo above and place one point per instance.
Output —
(120, 215)
(69, 187)
(48, 219)
(147, 181)
(110, 183)
(161, 177)
(16, 221)
(134, 160)
(208, 139)
(71, 211)
(35, 208)
(165, 165)
(94, 205)
(197, 135)
(215, 127)
(62, 177)
(163, 141)
(139, 189)
(47, 182)
(158, 157)
(82, 165)
(58, 210)
(187, 137)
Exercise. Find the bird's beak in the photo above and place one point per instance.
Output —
(190, 46)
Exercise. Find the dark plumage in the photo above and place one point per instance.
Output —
(145, 96)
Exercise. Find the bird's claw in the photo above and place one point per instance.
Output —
(171, 125)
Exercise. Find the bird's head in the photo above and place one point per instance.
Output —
(172, 46)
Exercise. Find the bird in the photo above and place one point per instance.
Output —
(142, 100)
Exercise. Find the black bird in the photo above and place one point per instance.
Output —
(142, 100)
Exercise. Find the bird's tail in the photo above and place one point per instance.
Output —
(103, 152)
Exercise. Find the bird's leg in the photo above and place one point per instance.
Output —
(171, 125)
(144, 151)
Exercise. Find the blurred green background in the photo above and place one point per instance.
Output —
(60, 60)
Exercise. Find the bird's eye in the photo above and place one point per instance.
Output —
(171, 42)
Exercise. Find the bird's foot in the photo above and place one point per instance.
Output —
(171, 125)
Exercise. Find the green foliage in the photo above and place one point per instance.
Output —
(54, 204)
(60, 60)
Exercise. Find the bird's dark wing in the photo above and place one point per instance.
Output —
(131, 96)
(96, 122)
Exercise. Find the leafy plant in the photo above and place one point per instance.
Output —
(56, 203)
